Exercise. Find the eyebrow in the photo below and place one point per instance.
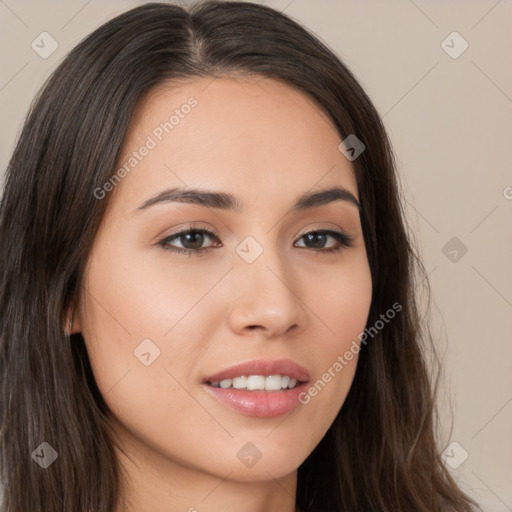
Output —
(228, 201)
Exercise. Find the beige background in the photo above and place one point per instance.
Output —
(450, 121)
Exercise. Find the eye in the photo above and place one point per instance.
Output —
(191, 239)
(316, 239)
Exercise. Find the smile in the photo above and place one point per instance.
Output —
(257, 382)
(262, 388)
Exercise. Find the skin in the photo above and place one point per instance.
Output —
(266, 144)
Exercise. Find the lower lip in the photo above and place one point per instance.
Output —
(263, 404)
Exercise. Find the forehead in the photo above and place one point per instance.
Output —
(254, 137)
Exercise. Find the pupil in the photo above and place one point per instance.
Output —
(194, 237)
(320, 239)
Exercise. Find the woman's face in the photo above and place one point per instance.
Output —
(159, 324)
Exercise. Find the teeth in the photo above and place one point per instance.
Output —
(226, 383)
(273, 383)
(240, 382)
(257, 382)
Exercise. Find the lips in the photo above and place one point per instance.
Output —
(263, 404)
(262, 367)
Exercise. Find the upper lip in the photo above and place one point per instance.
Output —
(263, 367)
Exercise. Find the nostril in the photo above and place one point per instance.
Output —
(254, 327)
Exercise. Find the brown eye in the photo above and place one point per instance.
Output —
(318, 239)
(191, 240)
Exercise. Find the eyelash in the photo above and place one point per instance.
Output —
(343, 239)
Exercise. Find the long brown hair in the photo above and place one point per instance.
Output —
(380, 454)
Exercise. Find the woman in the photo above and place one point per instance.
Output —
(207, 286)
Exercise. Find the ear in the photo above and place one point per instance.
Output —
(72, 320)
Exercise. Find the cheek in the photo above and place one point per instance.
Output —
(127, 310)
(341, 308)
(134, 306)
(340, 301)
(142, 297)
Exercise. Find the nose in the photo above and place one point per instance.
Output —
(267, 299)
